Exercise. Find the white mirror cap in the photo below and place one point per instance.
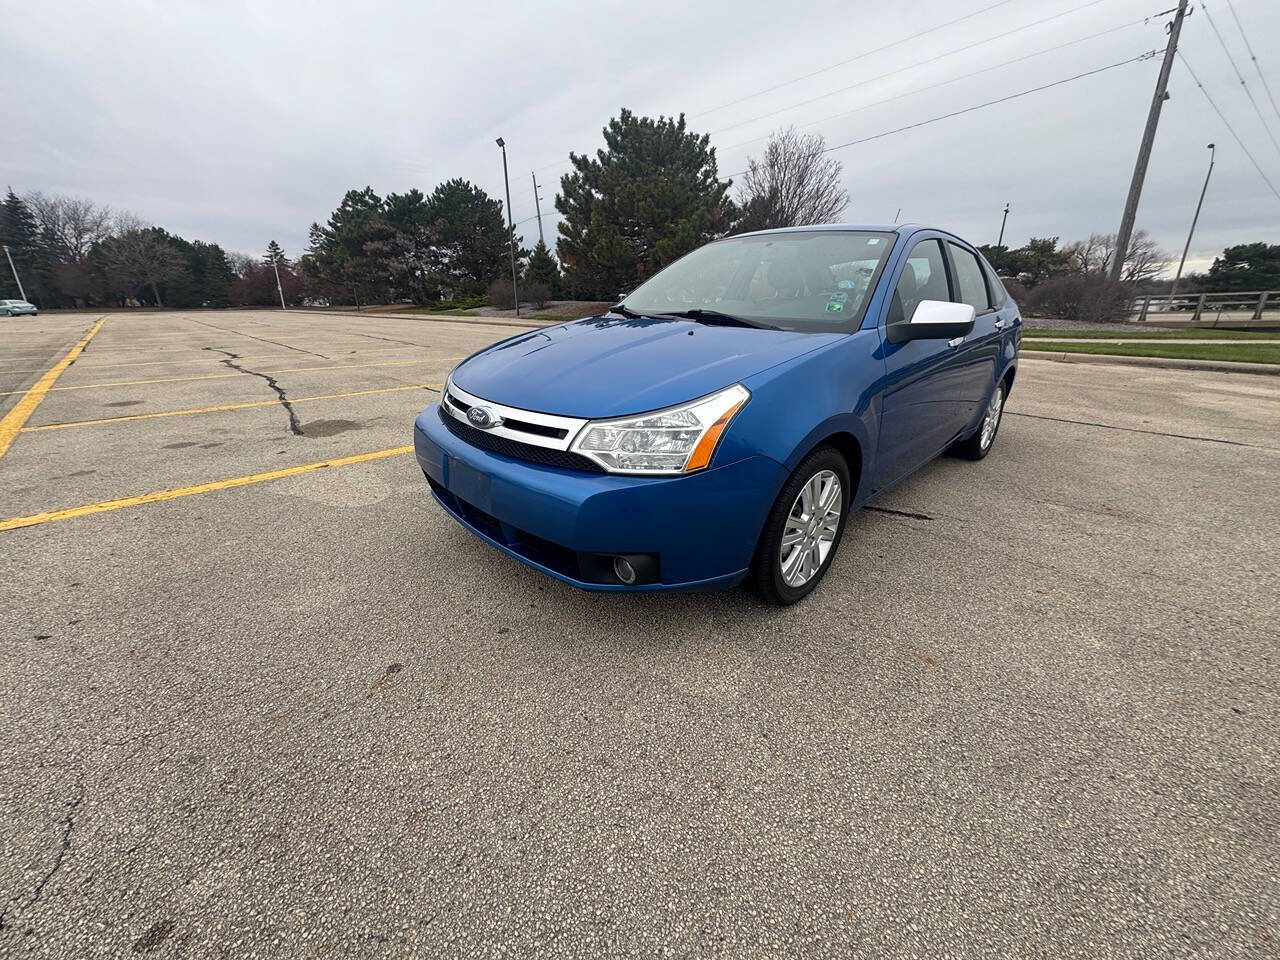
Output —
(942, 311)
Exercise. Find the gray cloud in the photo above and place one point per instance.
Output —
(239, 122)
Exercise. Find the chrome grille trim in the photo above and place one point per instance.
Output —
(570, 425)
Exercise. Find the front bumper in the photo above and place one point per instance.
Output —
(702, 527)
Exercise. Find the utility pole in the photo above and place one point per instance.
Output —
(511, 228)
(275, 265)
(22, 293)
(1144, 150)
(537, 205)
(1183, 262)
(1003, 221)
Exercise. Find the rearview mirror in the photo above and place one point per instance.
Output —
(934, 320)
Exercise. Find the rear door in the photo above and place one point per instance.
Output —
(979, 354)
(921, 406)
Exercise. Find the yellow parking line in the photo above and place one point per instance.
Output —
(179, 363)
(226, 406)
(184, 344)
(223, 376)
(22, 410)
(14, 523)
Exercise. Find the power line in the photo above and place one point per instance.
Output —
(1227, 124)
(1256, 67)
(1247, 92)
(967, 47)
(942, 83)
(989, 103)
(864, 53)
(911, 66)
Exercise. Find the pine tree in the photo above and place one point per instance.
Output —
(469, 237)
(651, 196)
(274, 254)
(542, 268)
(19, 233)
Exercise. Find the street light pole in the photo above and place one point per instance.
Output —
(275, 265)
(1173, 292)
(511, 229)
(1003, 221)
(22, 293)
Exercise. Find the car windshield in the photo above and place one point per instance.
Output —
(811, 280)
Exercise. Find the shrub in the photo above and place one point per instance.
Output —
(461, 303)
(500, 295)
(1079, 296)
(536, 293)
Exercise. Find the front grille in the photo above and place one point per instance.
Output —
(524, 426)
(517, 450)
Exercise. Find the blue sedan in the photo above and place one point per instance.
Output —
(721, 422)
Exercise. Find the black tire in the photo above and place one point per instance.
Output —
(980, 444)
(766, 576)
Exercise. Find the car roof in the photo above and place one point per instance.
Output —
(903, 229)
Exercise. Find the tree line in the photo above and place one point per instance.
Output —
(650, 195)
(72, 252)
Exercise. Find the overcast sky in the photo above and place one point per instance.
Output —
(239, 123)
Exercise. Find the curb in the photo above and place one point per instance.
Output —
(1164, 363)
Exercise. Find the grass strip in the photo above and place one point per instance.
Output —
(1190, 333)
(1236, 353)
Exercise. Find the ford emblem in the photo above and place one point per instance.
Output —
(483, 418)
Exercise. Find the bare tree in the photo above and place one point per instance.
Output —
(1144, 261)
(143, 258)
(73, 224)
(793, 184)
(241, 263)
(123, 221)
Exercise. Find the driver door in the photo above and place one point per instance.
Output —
(923, 403)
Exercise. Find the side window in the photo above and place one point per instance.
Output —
(924, 277)
(970, 283)
(998, 293)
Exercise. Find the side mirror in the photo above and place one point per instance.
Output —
(934, 320)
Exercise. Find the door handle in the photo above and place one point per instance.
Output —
(956, 342)
(999, 323)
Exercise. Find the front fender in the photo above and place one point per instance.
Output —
(797, 405)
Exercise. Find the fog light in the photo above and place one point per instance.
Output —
(623, 570)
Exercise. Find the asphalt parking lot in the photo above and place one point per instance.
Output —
(1033, 711)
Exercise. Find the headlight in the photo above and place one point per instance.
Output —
(676, 440)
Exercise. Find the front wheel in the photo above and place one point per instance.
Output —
(979, 445)
(804, 528)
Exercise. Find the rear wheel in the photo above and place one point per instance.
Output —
(979, 445)
(804, 528)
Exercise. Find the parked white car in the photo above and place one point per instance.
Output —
(17, 308)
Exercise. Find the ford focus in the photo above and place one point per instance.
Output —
(721, 422)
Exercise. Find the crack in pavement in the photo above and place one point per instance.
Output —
(287, 346)
(1154, 433)
(899, 513)
(295, 425)
(409, 343)
(68, 825)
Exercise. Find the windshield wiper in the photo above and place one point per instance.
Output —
(716, 318)
(626, 311)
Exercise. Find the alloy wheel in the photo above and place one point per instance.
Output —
(811, 527)
(992, 418)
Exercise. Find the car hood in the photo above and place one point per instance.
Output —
(613, 366)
